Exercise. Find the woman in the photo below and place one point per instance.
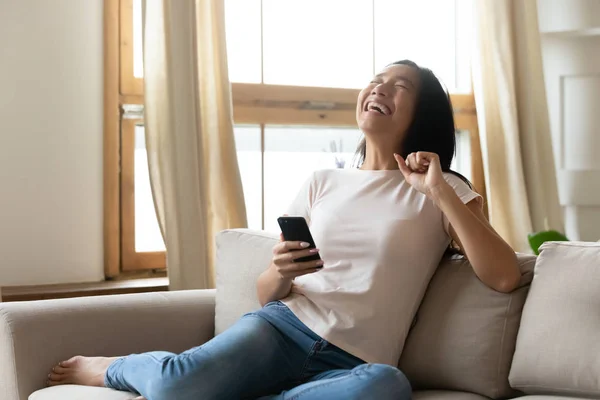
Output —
(337, 332)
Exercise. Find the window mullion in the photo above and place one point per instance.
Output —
(262, 175)
(262, 45)
(373, 33)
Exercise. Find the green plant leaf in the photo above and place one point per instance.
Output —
(539, 238)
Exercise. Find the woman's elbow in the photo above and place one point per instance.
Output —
(506, 286)
(509, 281)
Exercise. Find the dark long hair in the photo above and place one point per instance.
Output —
(432, 128)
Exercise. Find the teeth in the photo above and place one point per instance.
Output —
(383, 109)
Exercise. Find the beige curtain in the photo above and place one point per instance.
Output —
(510, 96)
(189, 134)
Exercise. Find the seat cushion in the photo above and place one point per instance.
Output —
(445, 395)
(464, 335)
(558, 346)
(76, 392)
(242, 255)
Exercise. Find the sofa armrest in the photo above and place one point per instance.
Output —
(35, 335)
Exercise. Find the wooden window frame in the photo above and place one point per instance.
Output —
(111, 141)
(132, 260)
(129, 84)
(256, 104)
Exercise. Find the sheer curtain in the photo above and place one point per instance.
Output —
(192, 160)
(514, 127)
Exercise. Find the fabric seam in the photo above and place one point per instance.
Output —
(4, 318)
(501, 358)
(567, 391)
(307, 361)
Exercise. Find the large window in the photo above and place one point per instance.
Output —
(296, 68)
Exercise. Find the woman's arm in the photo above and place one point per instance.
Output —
(493, 260)
(275, 282)
(270, 287)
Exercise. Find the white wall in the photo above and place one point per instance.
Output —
(50, 141)
(571, 50)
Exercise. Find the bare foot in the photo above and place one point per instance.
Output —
(88, 371)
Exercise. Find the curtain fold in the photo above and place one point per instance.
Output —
(512, 114)
(192, 159)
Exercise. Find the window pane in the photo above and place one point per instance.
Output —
(242, 22)
(147, 231)
(318, 42)
(424, 35)
(138, 45)
(462, 160)
(247, 142)
(432, 33)
(464, 38)
(292, 154)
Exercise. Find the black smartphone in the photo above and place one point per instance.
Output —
(296, 229)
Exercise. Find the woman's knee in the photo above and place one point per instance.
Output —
(386, 381)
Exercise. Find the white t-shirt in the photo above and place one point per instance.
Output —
(381, 241)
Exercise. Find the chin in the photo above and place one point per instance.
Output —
(371, 126)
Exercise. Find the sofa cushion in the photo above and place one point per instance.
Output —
(548, 398)
(445, 395)
(76, 392)
(465, 332)
(558, 347)
(242, 255)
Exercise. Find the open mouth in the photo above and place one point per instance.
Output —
(378, 107)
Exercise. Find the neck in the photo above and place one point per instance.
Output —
(380, 156)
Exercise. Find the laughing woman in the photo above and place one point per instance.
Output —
(337, 332)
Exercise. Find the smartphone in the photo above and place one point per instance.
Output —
(296, 229)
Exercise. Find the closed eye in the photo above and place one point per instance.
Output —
(401, 85)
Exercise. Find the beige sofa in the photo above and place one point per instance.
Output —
(460, 348)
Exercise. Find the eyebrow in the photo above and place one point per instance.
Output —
(398, 78)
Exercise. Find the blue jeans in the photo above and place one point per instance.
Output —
(269, 354)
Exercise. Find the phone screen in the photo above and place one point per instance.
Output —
(296, 229)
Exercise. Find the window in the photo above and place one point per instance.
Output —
(295, 76)
(271, 177)
(142, 245)
(301, 47)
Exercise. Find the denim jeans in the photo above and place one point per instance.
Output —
(269, 354)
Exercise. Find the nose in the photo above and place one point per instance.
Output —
(380, 90)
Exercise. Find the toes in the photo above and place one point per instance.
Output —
(59, 370)
(70, 362)
(56, 377)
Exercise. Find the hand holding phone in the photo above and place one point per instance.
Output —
(295, 229)
(286, 260)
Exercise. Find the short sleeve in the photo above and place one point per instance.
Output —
(302, 204)
(463, 191)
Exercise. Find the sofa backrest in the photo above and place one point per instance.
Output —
(242, 255)
(465, 333)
